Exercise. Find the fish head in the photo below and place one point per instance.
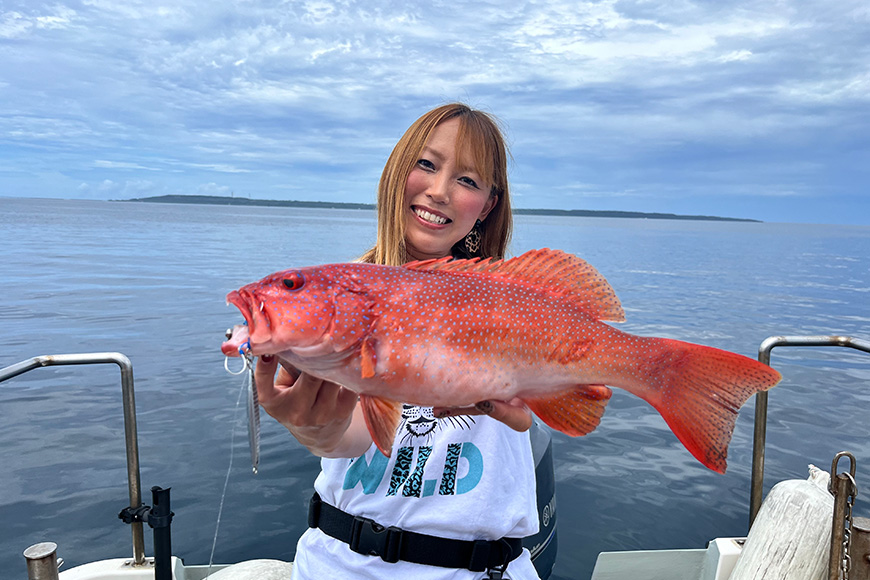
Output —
(307, 310)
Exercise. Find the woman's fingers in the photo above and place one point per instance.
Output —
(317, 401)
(346, 401)
(318, 413)
(264, 377)
(295, 398)
(513, 413)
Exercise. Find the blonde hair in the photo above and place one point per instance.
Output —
(480, 137)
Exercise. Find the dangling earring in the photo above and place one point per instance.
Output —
(472, 239)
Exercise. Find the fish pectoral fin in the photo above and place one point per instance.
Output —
(368, 359)
(382, 419)
(576, 411)
(566, 352)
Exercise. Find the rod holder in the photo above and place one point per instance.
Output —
(160, 519)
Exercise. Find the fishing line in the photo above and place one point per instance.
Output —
(229, 469)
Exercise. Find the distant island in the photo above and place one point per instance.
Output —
(221, 200)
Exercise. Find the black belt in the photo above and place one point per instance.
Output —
(365, 536)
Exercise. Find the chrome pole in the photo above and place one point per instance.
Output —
(130, 433)
(41, 561)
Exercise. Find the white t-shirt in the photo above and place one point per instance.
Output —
(468, 478)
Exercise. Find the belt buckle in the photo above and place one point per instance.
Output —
(369, 538)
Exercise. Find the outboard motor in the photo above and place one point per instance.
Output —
(543, 545)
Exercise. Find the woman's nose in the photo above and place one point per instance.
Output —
(439, 189)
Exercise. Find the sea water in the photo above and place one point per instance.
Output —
(149, 280)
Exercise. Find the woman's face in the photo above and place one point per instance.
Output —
(444, 197)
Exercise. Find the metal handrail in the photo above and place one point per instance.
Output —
(761, 403)
(130, 434)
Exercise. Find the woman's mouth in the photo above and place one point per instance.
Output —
(430, 217)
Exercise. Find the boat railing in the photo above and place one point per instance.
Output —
(130, 434)
(761, 401)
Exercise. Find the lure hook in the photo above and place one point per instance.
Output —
(247, 359)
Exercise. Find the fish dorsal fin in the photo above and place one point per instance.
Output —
(552, 271)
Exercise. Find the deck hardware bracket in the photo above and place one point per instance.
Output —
(834, 465)
(130, 514)
(159, 519)
(42, 561)
(844, 489)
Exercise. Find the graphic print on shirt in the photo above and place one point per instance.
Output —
(421, 422)
(424, 479)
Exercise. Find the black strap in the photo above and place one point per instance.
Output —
(367, 537)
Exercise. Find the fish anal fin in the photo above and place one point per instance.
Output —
(575, 411)
(368, 359)
(382, 419)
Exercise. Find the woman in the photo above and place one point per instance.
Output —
(457, 493)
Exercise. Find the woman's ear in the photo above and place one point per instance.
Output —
(488, 207)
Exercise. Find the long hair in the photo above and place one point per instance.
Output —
(479, 136)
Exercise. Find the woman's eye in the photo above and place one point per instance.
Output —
(426, 164)
(468, 181)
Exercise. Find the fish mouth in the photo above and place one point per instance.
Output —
(237, 341)
(256, 328)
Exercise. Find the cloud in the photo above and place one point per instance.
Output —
(109, 189)
(37, 130)
(213, 189)
(14, 24)
(619, 99)
(735, 55)
(101, 163)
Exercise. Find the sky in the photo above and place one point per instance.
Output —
(743, 109)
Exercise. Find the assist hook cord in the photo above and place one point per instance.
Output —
(247, 359)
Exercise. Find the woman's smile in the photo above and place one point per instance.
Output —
(430, 216)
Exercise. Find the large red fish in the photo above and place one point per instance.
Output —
(453, 333)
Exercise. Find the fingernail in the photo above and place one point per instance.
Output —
(266, 358)
(484, 407)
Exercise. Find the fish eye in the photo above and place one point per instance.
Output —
(294, 281)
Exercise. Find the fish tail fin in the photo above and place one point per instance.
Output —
(698, 391)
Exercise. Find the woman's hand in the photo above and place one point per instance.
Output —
(513, 413)
(322, 415)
